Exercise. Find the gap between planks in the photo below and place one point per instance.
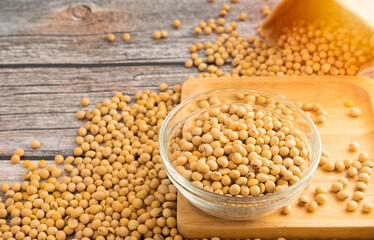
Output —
(92, 65)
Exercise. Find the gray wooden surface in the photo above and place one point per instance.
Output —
(53, 53)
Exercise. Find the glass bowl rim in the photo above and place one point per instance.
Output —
(240, 200)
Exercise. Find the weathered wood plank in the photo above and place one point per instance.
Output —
(65, 31)
(40, 103)
(52, 142)
(59, 90)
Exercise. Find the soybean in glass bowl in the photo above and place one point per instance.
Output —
(180, 121)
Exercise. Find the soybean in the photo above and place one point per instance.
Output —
(352, 206)
(35, 144)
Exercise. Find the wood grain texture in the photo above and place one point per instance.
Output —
(69, 32)
(40, 103)
(331, 220)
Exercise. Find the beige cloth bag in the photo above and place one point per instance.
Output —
(359, 11)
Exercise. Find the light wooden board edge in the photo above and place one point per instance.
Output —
(365, 82)
(330, 229)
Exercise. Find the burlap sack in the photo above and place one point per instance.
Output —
(361, 12)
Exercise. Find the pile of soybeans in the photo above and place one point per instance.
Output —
(115, 187)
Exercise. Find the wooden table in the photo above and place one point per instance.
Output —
(53, 53)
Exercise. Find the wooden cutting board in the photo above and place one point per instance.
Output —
(331, 220)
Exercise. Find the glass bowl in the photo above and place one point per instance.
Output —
(231, 207)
